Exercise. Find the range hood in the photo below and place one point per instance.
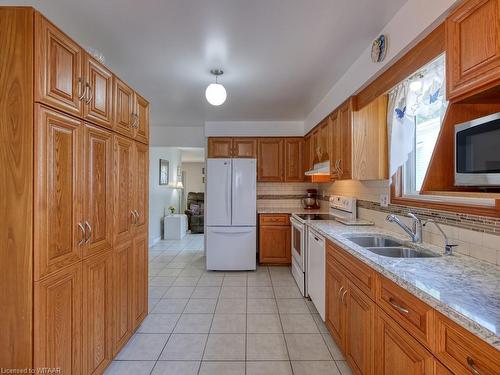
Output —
(319, 169)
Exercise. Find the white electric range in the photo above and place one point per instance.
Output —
(341, 209)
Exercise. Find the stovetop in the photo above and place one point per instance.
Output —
(316, 216)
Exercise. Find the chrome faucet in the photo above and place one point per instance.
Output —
(448, 249)
(415, 233)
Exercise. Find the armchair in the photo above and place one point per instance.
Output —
(195, 211)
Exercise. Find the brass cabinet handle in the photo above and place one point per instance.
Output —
(398, 306)
(343, 296)
(80, 85)
(91, 94)
(340, 293)
(136, 217)
(82, 240)
(133, 216)
(87, 225)
(472, 366)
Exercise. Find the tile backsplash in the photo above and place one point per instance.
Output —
(275, 195)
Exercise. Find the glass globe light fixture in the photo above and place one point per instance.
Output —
(215, 92)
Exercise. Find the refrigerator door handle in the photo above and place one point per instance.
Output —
(234, 232)
(228, 196)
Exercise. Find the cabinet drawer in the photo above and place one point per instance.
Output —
(462, 352)
(360, 274)
(411, 313)
(266, 219)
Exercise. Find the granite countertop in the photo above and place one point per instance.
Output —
(462, 288)
(288, 210)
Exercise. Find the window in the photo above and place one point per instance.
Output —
(416, 110)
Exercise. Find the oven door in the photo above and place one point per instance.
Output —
(298, 242)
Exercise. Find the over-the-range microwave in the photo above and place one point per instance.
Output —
(477, 152)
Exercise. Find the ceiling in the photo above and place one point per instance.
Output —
(280, 57)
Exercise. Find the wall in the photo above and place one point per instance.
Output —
(160, 196)
(254, 128)
(411, 24)
(177, 136)
(193, 179)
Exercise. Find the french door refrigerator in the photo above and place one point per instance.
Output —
(231, 218)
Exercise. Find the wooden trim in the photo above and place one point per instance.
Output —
(426, 50)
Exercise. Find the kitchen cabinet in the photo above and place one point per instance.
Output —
(122, 285)
(270, 163)
(397, 352)
(244, 147)
(315, 146)
(123, 108)
(335, 312)
(307, 156)
(275, 239)
(462, 352)
(123, 186)
(97, 312)
(220, 147)
(139, 280)
(472, 48)
(140, 187)
(57, 326)
(343, 141)
(369, 138)
(98, 190)
(59, 232)
(59, 80)
(98, 93)
(141, 119)
(294, 160)
(324, 136)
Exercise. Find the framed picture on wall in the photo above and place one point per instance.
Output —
(164, 169)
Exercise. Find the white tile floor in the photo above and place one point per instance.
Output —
(216, 323)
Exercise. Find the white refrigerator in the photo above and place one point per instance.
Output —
(231, 214)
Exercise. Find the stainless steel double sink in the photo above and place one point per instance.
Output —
(389, 247)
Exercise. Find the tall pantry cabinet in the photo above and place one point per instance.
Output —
(75, 195)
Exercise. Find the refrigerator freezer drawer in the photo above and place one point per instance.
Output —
(231, 248)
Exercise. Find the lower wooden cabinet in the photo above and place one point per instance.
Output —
(97, 312)
(122, 273)
(274, 239)
(397, 352)
(58, 321)
(335, 315)
(139, 267)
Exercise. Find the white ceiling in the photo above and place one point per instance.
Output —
(280, 57)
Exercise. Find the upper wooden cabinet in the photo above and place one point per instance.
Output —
(244, 147)
(59, 231)
(473, 48)
(59, 80)
(294, 159)
(123, 108)
(98, 190)
(324, 140)
(98, 93)
(343, 145)
(220, 147)
(270, 160)
(369, 138)
(141, 117)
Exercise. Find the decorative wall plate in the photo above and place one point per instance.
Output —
(379, 49)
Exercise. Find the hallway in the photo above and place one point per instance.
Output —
(203, 322)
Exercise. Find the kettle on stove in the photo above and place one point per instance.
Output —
(310, 202)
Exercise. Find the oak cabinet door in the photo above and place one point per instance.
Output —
(359, 332)
(123, 164)
(323, 140)
(274, 245)
(58, 321)
(335, 310)
(98, 195)
(139, 294)
(58, 68)
(345, 141)
(58, 226)
(220, 147)
(122, 285)
(270, 160)
(99, 93)
(123, 109)
(141, 120)
(97, 312)
(473, 48)
(294, 160)
(397, 352)
(245, 147)
(141, 182)
(315, 146)
(335, 147)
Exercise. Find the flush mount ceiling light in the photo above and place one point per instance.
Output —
(215, 92)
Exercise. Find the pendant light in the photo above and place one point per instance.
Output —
(215, 92)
